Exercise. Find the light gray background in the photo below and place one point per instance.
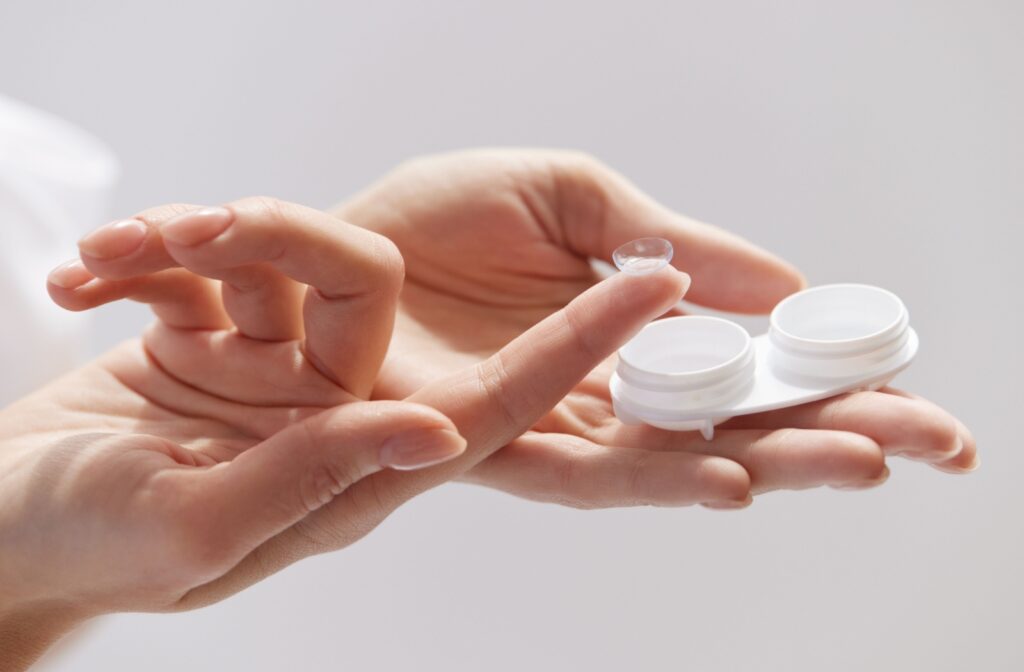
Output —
(868, 141)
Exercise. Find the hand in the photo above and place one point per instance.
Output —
(231, 364)
(157, 469)
(495, 241)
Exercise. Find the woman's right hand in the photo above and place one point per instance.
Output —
(137, 481)
(230, 440)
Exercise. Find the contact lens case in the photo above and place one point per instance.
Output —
(694, 372)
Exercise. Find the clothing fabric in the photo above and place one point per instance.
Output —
(56, 182)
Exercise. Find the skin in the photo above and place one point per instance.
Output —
(494, 241)
(234, 437)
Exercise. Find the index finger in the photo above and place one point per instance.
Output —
(354, 276)
(503, 396)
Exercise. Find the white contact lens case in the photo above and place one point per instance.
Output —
(694, 372)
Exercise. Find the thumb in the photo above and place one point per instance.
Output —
(278, 482)
(491, 403)
(729, 273)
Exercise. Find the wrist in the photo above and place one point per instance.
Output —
(27, 631)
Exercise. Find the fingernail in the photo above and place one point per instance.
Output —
(865, 485)
(975, 464)
(729, 504)
(419, 448)
(70, 275)
(116, 239)
(960, 471)
(198, 226)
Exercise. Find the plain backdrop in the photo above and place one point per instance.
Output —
(872, 141)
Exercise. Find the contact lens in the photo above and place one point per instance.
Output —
(643, 256)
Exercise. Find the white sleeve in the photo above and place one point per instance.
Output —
(56, 182)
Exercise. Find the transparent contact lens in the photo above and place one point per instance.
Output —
(643, 256)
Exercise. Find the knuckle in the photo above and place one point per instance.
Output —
(567, 478)
(638, 482)
(321, 483)
(495, 381)
(583, 338)
(329, 473)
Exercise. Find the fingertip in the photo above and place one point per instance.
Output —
(655, 292)
(862, 458)
(729, 505)
(69, 276)
(775, 280)
(114, 240)
(867, 483)
(727, 480)
(966, 462)
(197, 227)
(939, 438)
(750, 283)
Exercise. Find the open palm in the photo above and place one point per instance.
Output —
(231, 439)
(235, 424)
(495, 241)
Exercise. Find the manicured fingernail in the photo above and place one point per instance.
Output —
(975, 464)
(70, 275)
(950, 469)
(114, 240)
(932, 456)
(198, 226)
(865, 485)
(729, 504)
(418, 448)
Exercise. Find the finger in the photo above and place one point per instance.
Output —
(132, 247)
(569, 470)
(776, 459)
(967, 460)
(179, 298)
(500, 398)
(263, 303)
(900, 426)
(233, 508)
(507, 393)
(354, 276)
(494, 402)
(601, 210)
(798, 459)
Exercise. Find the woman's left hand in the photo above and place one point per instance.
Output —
(495, 241)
